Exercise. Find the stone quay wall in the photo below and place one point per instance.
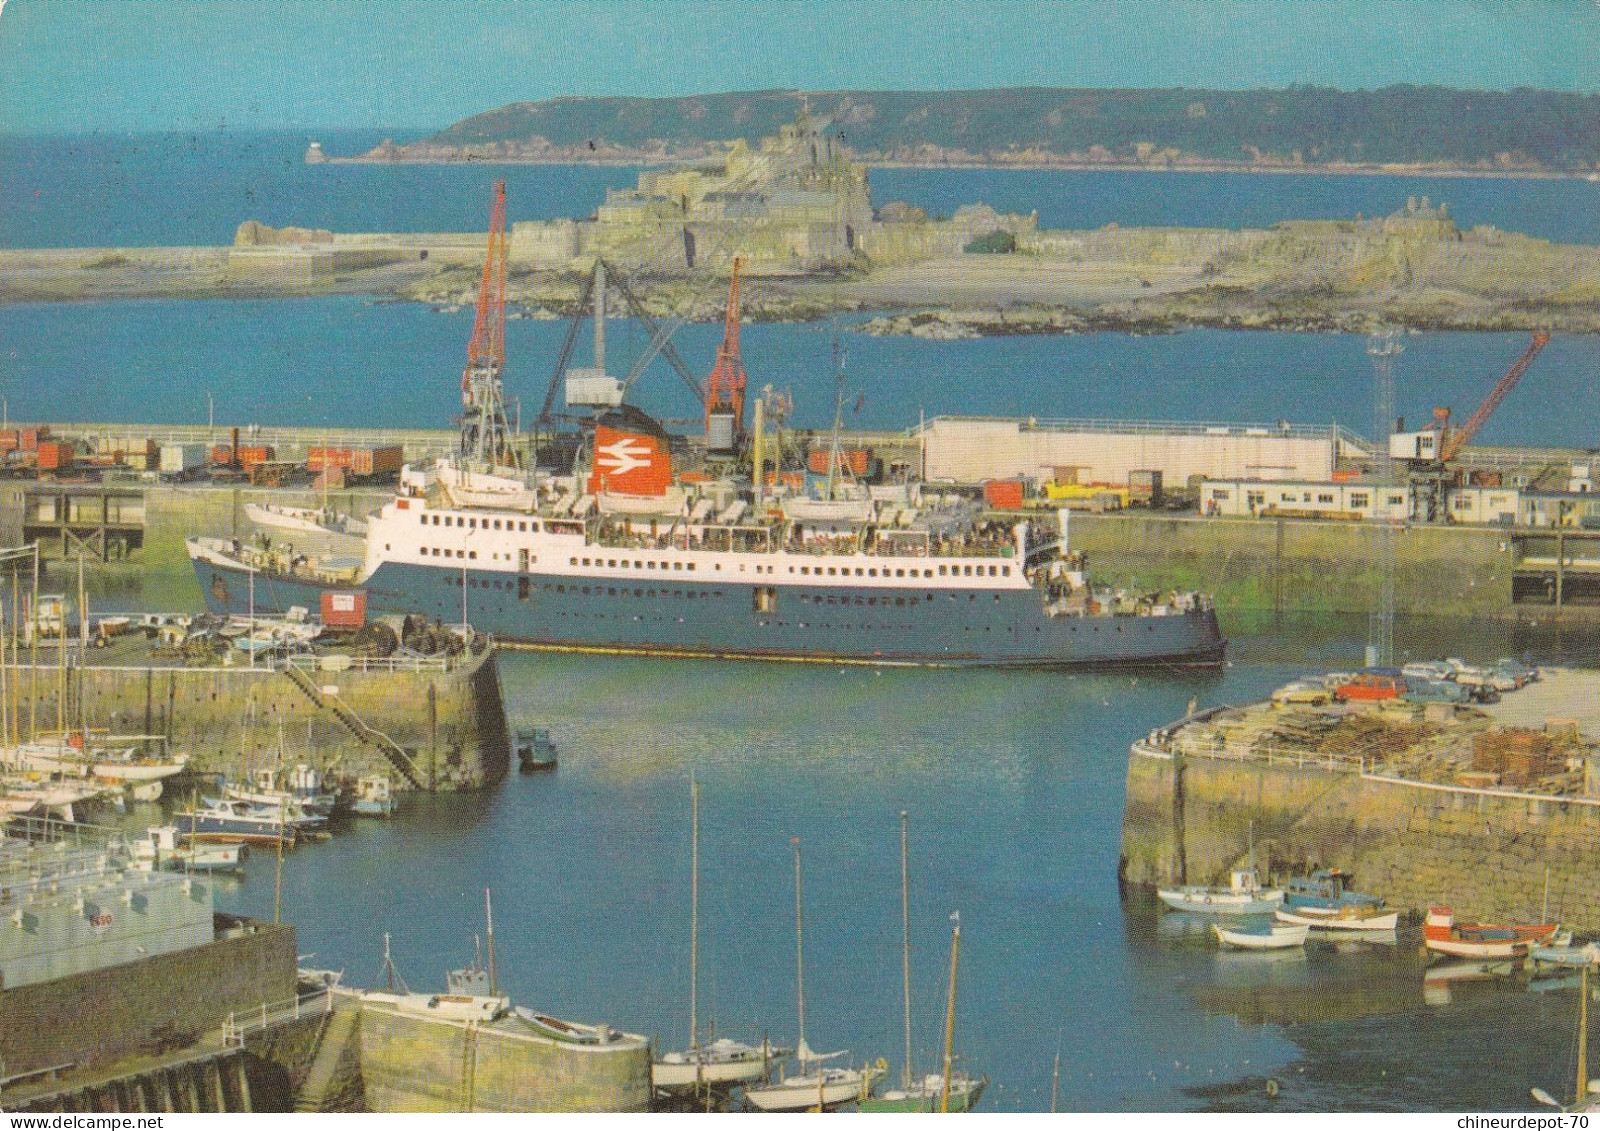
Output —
(1489, 855)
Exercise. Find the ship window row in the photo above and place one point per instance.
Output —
(899, 602)
(520, 526)
(872, 571)
(447, 552)
(632, 563)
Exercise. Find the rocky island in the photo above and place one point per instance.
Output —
(796, 208)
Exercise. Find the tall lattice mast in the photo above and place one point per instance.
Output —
(487, 439)
(1383, 347)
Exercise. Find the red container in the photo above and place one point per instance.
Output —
(9, 440)
(32, 436)
(251, 456)
(1003, 494)
(344, 610)
(386, 460)
(54, 455)
(857, 460)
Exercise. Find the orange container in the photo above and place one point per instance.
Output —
(1003, 494)
(344, 610)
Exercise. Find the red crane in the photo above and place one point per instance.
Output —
(725, 386)
(487, 349)
(1454, 441)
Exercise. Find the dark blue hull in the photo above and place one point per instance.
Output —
(740, 621)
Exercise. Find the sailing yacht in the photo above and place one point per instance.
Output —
(817, 1086)
(722, 1064)
(934, 1092)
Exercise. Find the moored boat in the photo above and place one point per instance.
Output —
(1267, 936)
(1443, 935)
(163, 846)
(535, 750)
(374, 797)
(1244, 895)
(1326, 890)
(235, 822)
(1348, 918)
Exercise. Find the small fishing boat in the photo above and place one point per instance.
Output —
(374, 797)
(1348, 918)
(302, 796)
(535, 751)
(449, 1007)
(1267, 936)
(1326, 890)
(1244, 895)
(162, 847)
(1443, 935)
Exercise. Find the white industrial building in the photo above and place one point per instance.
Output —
(1320, 498)
(967, 449)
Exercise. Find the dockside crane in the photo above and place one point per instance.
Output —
(487, 440)
(1428, 453)
(725, 387)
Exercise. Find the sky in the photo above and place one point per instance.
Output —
(75, 66)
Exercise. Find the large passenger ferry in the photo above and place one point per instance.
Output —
(623, 555)
(922, 579)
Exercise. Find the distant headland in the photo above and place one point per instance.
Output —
(1396, 131)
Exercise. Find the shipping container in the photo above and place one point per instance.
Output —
(858, 460)
(55, 455)
(361, 461)
(249, 455)
(9, 440)
(1004, 494)
(32, 436)
(176, 459)
(344, 610)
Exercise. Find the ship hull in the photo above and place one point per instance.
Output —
(729, 620)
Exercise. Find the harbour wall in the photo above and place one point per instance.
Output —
(419, 1064)
(448, 718)
(1293, 565)
(1489, 855)
(123, 1011)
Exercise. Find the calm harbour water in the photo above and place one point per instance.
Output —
(1014, 781)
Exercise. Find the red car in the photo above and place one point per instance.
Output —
(1371, 686)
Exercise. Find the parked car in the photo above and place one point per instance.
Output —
(1428, 669)
(1474, 676)
(1302, 691)
(1382, 683)
(1522, 673)
(1437, 691)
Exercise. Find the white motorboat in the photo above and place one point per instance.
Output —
(162, 847)
(1268, 936)
(1347, 918)
(1244, 895)
(374, 797)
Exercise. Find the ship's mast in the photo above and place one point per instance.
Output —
(487, 439)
